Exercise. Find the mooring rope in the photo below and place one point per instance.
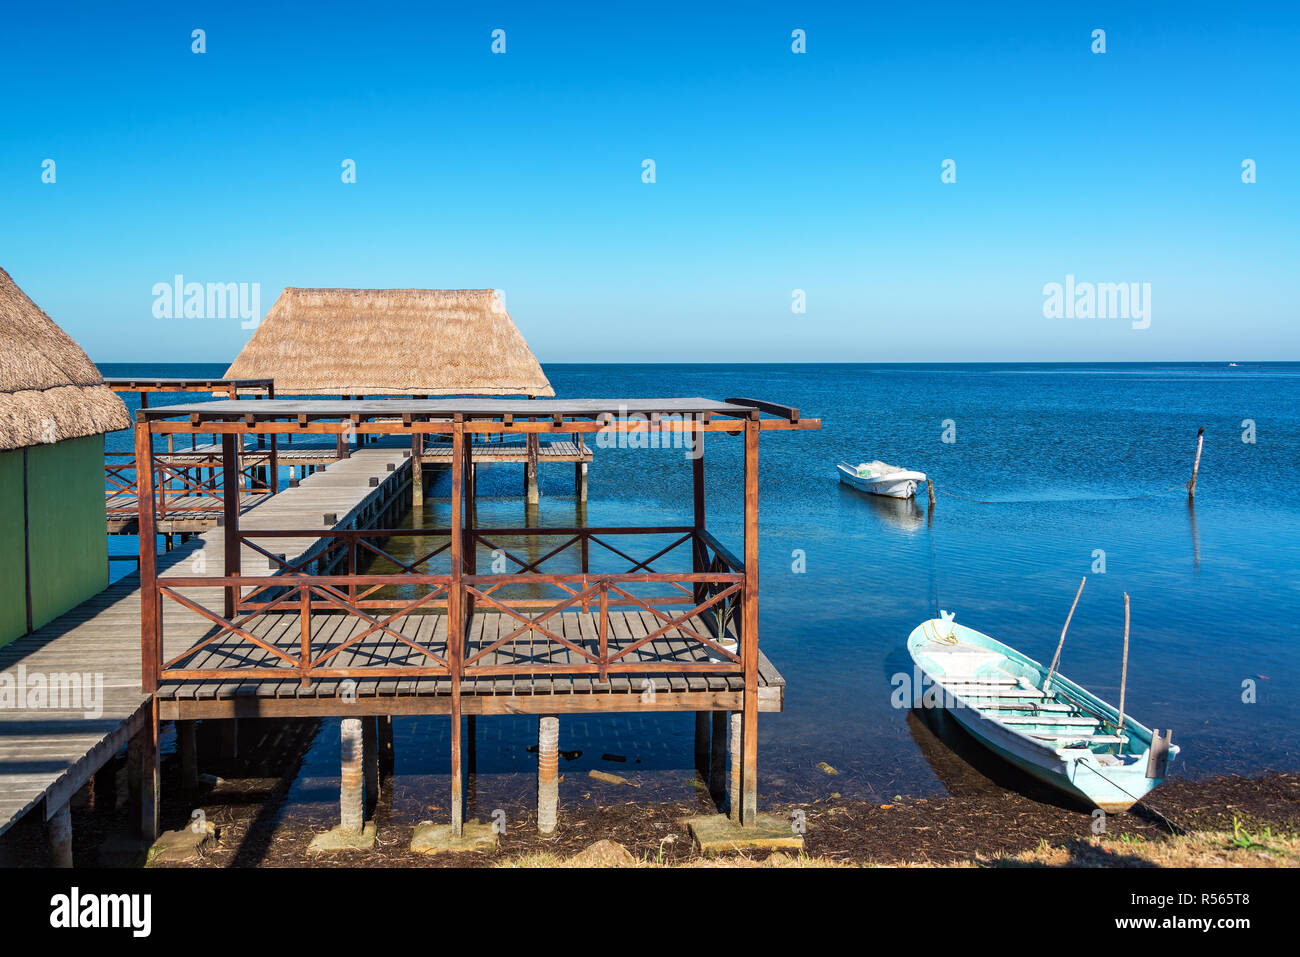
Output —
(1052, 501)
(1174, 827)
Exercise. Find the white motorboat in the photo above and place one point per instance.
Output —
(879, 478)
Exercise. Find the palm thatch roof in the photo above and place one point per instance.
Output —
(391, 342)
(49, 388)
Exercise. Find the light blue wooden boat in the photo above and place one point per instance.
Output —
(1061, 734)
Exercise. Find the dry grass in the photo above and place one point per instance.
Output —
(49, 388)
(1229, 849)
(391, 342)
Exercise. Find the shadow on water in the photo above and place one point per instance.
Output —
(965, 767)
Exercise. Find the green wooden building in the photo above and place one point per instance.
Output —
(54, 411)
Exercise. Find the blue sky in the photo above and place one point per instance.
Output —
(775, 172)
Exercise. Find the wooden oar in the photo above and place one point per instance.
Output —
(1123, 675)
(1056, 658)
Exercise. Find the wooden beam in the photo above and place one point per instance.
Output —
(150, 617)
(749, 631)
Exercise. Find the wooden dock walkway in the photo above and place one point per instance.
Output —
(48, 753)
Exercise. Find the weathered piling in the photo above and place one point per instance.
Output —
(548, 772)
(370, 759)
(718, 758)
(929, 487)
(737, 762)
(702, 726)
(187, 743)
(59, 826)
(1196, 465)
(532, 489)
(352, 796)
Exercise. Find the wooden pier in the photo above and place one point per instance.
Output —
(385, 621)
(327, 608)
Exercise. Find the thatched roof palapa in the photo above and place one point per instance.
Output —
(391, 342)
(49, 388)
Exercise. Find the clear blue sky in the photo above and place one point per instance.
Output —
(775, 171)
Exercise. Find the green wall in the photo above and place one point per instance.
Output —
(67, 542)
(13, 601)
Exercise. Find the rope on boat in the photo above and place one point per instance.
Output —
(1174, 828)
(1051, 501)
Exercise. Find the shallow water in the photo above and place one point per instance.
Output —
(1062, 450)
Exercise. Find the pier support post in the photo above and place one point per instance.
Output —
(733, 798)
(352, 789)
(532, 492)
(387, 756)
(718, 759)
(370, 760)
(580, 481)
(548, 772)
(143, 779)
(59, 825)
(417, 470)
(187, 743)
(749, 632)
(702, 726)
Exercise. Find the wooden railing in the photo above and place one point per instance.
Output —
(179, 482)
(391, 609)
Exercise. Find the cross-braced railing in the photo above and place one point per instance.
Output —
(183, 481)
(380, 603)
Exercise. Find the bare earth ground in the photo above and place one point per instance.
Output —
(1214, 822)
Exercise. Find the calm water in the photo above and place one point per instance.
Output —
(1059, 448)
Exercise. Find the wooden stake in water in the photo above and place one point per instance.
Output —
(1196, 466)
(1123, 675)
(1056, 658)
(930, 488)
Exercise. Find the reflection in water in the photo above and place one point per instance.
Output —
(965, 767)
(1196, 538)
(903, 514)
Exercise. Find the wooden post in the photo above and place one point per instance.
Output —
(370, 759)
(929, 488)
(275, 447)
(143, 776)
(387, 756)
(456, 621)
(718, 758)
(548, 772)
(580, 481)
(1196, 466)
(150, 617)
(230, 518)
(187, 743)
(749, 630)
(352, 788)
(1123, 678)
(532, 490)
(702, 726)
(1056, 658)
(59, 824)
(417, 470)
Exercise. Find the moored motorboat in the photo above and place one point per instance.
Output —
(879, 478)
(1040, 721)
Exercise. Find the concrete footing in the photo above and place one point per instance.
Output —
(343, 839)
(187, 844)
(717, 834)
(439, 839)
